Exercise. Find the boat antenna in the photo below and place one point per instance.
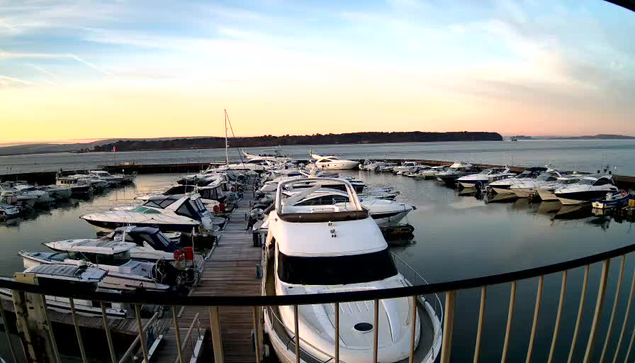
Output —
(226, 143)
(228, 121)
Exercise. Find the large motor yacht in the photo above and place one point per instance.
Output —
(529, 187)
(547, 190)
(313, 249)
(331, 162)
(454, 172)
(503, 186)
(587, 189)
(168, 213)
(483, 178)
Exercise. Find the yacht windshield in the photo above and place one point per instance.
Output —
(587, 181)
(545, 177)
(340, 270)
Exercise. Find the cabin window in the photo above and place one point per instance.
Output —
(325, 200)
(338, 270)
(188, 211)
(117, 259)
(180, 189)
(602, 182)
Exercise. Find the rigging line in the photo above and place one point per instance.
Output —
(234, 135)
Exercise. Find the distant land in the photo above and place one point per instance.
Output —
(315, 139)
(595, 137)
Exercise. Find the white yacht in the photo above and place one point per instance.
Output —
(84, 278)
(114, 257)
(547, 191)
(483, 178)
(406, 166)
(106, 176)
(333, 163)
(96, 182)
(257, 165)
(586, 190)
(528, 187)
(58, 193)
(432, 173)
(8, 212)
(454, 172)
(313, 249)
(503, 186)
(79, 186)
(168, 213)
(384, 212)
(212, 195)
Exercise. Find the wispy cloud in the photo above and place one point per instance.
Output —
(91, 65)
(17, 80)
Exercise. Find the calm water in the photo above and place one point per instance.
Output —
(456, 237)
(566, 154)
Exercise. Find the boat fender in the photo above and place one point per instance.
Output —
(179, 255)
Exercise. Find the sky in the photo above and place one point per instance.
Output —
(90, 69)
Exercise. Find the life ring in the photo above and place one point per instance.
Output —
(179, 255)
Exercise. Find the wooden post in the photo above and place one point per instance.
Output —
(217, 341)
(31, 321)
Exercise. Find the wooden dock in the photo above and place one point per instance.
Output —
(230, 271)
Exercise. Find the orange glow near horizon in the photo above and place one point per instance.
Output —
(70, 73)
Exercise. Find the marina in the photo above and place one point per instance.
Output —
(406, 182)
(441, 219)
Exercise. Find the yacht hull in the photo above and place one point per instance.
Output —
(108, 226)
(523, 192)
(389, 218)
(580, 197)
(113, 280)
(547, 195)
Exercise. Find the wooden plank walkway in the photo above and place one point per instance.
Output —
(231, 270)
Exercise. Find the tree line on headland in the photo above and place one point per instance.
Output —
(315, 139)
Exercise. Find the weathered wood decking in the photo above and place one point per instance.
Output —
(231, 270)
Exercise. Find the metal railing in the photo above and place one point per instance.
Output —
(607, 339)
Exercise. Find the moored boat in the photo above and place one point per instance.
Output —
(315, 249)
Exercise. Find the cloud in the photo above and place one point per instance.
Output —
(16, 80)
(91, 65)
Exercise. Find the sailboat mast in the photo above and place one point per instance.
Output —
(226, 143)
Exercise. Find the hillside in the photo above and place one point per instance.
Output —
(316, 139)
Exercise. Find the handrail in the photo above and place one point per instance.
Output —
(144, 297)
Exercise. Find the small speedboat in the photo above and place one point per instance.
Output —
(114, 257)
(612, 200)
(8, 212)
(82, 278)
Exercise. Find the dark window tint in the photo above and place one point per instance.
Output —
(187, 210)
(602, 182)
(325, 200)
(340, 270)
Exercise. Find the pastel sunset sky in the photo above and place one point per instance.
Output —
(89, 69)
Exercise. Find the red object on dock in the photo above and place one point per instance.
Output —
(189, 253)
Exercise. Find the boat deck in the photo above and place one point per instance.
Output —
(230, 270)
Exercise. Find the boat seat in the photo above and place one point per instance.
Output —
(324, 217)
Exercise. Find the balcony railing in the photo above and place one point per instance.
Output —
(616, 338)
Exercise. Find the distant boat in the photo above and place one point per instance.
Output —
(514, 138)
